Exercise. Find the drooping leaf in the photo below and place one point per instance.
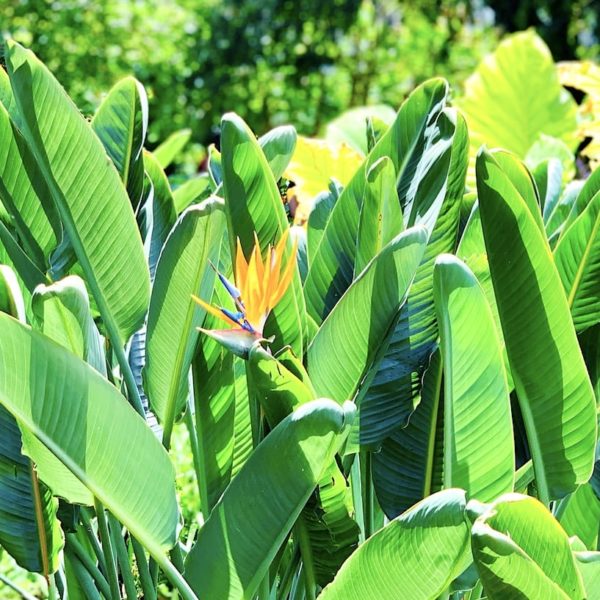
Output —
(183, 269)
(89, 426)
(121, 122)
(78, 174)
(520, 550)
(554, 391)
(417, 555)
(251, 521)
(478, 433)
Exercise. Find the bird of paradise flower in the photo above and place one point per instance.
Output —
(260, 286)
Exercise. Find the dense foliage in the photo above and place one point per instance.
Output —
(403, 402)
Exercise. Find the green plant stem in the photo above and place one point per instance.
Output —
(285, 582)
(193, 435)
(133, 393)
(85, 580)
(307, 559)
(122, 557)
(91, 536)
(109, 558)
(86, 562)
(176, 578)
(357, 499)
(13, 586)
(148, 587)
(367, 492)
(52, 593)
(264, 592)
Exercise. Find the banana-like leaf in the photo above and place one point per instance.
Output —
(158, 213)
(90, 197)
(89, 427)
(479, 456)
(580, 515)
(554, 391)
(168, 150)
(578, 263)
(243, 436)
(318, 218)
(253, 205)
(356, 331)
(25, 196)
(193, 191)
(405, 143)
(245, 530)
(394, 392)
(29, 529)
(416, 555)
(409, 466)
(588, 564)
(121, 122)
(563, 208)
(521, 551)
(381, 216)
(590, 188)
(183, 269)
(279, 145)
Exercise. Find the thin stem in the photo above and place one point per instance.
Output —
(122, 556)
(13, 586)
(367, 492)
(264, 592)
(91, 536)
(307, 559)
(52, 594)
(188, 419)
(80, 554)
(133, 393)
(176, 578)
(109, 559)
(39, 519)
(286, 580)
(356, 486)
(85, 580)
(148, 587)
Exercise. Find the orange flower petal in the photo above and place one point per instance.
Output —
(215, 312)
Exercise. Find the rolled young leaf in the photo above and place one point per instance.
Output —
(553, 388)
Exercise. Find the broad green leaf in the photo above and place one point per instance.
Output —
(253, 205)
(121, 122)
(351, 126)
(193, 191)
(514, 96)
(183, 269)
(578, 263)
(279, 145)
(355, 333)
(553, 388)
(29, 530)
(24, 194)
(394, 392)
(91, 199)
(245, 530)
(158, 213)
(521, 551)
(243, 438)
(548, 149)
(478, 434)
(381, 216)
(89, 427)
(406, 142)
(319, 215)
(590, 188)
(169, 150)
(580, 515)
(588, 564)
(561, 211)
(416, 555)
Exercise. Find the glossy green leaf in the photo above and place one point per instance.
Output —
(169, 150)
(121, 122)
(318, 218)
(255, 514)
(588, 564)
(580, 515)
(355, 333)
(520, 551)
(416, 555)
(89, 426)
(409, 138)
(253, 205)
(183, 269)
(514, 95)
(78, 173)
(394, 391)
(29, 530)
(478, 434)
(193, 191)
(278, 146)
(554, 391)
(381, 216)
(578, 263)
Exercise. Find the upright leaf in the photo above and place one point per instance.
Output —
(553, 388)
(91, 200)
(167, 151)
